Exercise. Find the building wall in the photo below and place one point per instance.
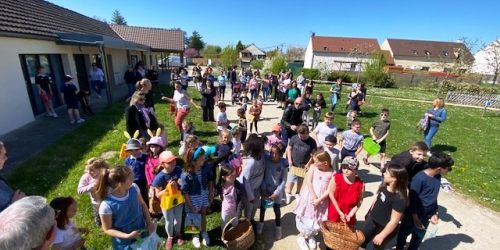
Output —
(333, 60)
(418, 63)
(309, 56)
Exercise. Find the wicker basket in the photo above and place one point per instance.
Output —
(339, 236)
(240, 237)
(300, 172)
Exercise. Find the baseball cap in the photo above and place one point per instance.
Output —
(68, 78)
(351, 162)
(133, 144)
(167, 156)
(276, 128)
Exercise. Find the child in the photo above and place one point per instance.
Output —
(412, 160)
(221, 119)
(167, 172)
(155, 147)
(351, 141)
(346, 192)
(242, 125)
(68, 236)
(306, 106)
(299, 152)
(137, 161)
(351, 116)
(329, 147)
(318, 105)
(236, 132)
(93, 169)
(272, 187)
(187, 129)
(236, 95)
(253, 172)
(84, 99)
(260, 102)
(68, 95)
(255, 112)
(163, 135)
(191, 143)
(121, 207)
(384, 216)
(197, 188)
(144, 147)
(197, 83)
(312, 205)
(423, 208)
(244, 100)
(223, 149)
(325, 129)
(380, 131)
(275, 136)
(231, 194)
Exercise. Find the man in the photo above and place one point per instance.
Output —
(290, 74)
(27, 224)
(233, 78)
(96, 79)
(283, 88)
(153, 77)
(292, 118)
(301, 83)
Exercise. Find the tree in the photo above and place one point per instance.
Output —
(191, 53)
(491, 55)
(195, 41)
(229, 56)
(257, 64)
(272, 53)
(117, 18)
(98, 18)
(295, 54)
(374, 72)
(361, 53)
(211, 50)
(278, 64)
(186, 39)
(240, 46)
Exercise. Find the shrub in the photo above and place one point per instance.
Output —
(257, 64)
(278, 64)
(487, 89)
(349, 78)
(429, 85)
(310, 73)
(448, 85)
(469, 87)
(324, 70)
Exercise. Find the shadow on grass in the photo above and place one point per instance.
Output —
(368, 114)
(50, 167)
(444, 148)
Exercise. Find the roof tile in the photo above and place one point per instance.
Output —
(418, 48)
(343, 44)
(156, 38)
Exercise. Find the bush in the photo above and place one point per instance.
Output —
(448, 85)
(487, 89)
(310, 73)
(349, 78)
(211, 56)
(278, 64)
(469, 87)
(429, 85)
(257, 64)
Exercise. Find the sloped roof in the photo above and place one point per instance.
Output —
(252, 48)
(427, 49)
(41, 18)
(389, 60)
(343, 44)
(157, 38)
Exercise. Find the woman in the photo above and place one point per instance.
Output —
(335, 93)
(138, 117)
(182, 100)
(353, 98)
(310, 87)
(293, 92)
(7, 195)
(253, 86)
(437, 114)
(184, 79)
(208, 93)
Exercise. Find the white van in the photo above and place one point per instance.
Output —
(173, 61)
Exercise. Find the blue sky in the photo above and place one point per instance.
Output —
(272, 23)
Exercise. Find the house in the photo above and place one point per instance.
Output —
(339, 53)
(487, 61)
(38, 33)
(250, 53)
(428, 55)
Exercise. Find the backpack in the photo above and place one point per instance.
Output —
(423, 124)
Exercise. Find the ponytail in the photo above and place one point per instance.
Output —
(102, 185)
(110, 178)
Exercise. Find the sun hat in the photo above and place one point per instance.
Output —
(167, 156)
(156, 141)
(276, 128)
(351, 162)
(133, 144)
(68, 78)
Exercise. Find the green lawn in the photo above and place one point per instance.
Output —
(471, 140)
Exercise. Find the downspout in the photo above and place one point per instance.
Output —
(102, 52)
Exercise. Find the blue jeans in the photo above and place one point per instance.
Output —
(286, 135)
(131, 88)
(429, 133)
(96, 86)
(253, 94)
(265, 92)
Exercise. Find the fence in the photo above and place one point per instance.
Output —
(473, 99)
(413, 80)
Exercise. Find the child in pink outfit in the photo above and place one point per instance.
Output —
(275, 137)
(93, 168)
(155, 147)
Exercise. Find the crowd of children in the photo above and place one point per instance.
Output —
(185, 185)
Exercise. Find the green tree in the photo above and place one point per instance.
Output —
(272, 53)
(229, 56)
(195, 41)
(374, 72)
(211, 50)
(257, 64)
(240, 46)
(117, 18)
(278, 63)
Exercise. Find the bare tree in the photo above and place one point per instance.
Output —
(295, 54)
(361, 53)
(98, 18)
(491, 63)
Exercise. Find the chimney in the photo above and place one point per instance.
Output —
(459, 41)
(313, 34)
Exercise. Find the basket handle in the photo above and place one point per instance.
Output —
(230, 223)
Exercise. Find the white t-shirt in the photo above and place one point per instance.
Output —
(324, 131)
(334, 156)
(181, 101)
(104, 208)
(221, 117)
(67, 236)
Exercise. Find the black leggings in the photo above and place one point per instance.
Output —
(251, 126)
(277, 213)
(371, 229)
(222, 91)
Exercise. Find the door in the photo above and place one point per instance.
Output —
(134, 61)
(111, 72)
(81, 71)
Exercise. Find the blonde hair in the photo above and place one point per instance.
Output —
(141, 84)
(438, 102)
(191, 139)
(323, 156)
(97, 163)
(224, 132)
(110, 179)
(136, 97)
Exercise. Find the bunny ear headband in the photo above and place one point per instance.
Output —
(127, 135)
(158, 133)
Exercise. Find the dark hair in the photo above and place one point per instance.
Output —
(356, 122)
(279, 146)
(61, 205)
(331, 138)
(440, 160)
(255, 145)
(303, 129)
(384, 110)
(189, 159)
(225, 170)
(401, 176)
(39, 68)
(241, 111)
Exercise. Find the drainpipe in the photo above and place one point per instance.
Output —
(102, 51)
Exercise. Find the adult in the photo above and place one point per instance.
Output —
(222, 85)
(266, 84)
(210, 73)
(293, 92)
(7, 195)
(301, 83)
(181, 99)
(96, 76)
(42, 83)
(249, 72)
(139, 63)
(184, 79)
(138, 117)
(353, 98)
(275, 85)
(181, 67)
(253, 86)
(198, 69)
(290, 74)
(233, 78)
(292, 118)
(208, 93)
(153, 77)
(282, 91)
(335, 93)
(140, 73)
(437, 114)
(310, 87)
(27, 224)
(174, 77)
(129, 78)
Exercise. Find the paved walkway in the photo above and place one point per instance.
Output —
(464, 224)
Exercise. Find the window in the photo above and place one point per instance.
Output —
(428, 53)
(445, 53)
(342, 49)
(415, 52)
(325, 48)
(425, 68)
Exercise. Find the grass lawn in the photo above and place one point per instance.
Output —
(471, 140)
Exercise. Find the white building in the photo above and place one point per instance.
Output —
(487, 59)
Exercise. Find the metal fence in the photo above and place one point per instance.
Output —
(473, 99)
(411, 80)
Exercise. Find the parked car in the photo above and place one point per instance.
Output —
(172, 61)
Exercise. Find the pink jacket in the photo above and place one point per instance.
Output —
(86, 185)
(151, 164)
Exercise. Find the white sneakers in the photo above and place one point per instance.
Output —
(297, 196)
(312, 243)
(196, 241)
(206, 239)
(277, 233)
(260, 226)
(49, 114)
(288, 198)
(302, 243)
(80, 120)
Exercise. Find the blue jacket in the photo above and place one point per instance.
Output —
(439, 116)
(190, 183)
(6, 193)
